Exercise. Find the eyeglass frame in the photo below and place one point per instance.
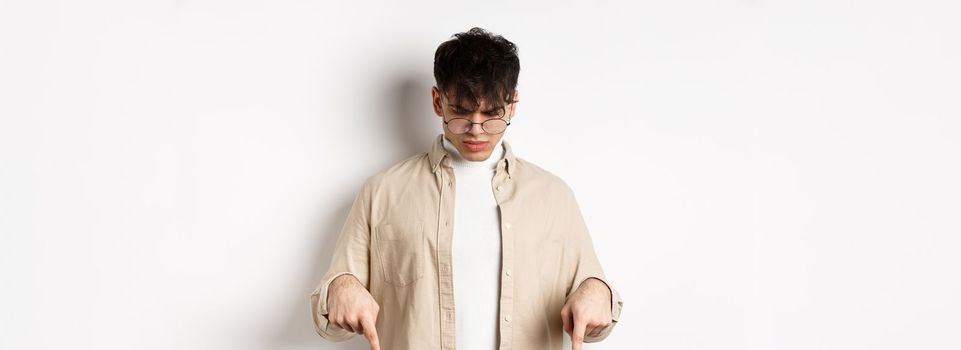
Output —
(504, 109)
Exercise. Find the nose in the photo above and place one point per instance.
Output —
(476, 129)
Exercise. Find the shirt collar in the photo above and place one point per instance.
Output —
(438, 153)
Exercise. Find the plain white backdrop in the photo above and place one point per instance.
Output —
(755, 174)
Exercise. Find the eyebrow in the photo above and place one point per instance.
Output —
(466, 109)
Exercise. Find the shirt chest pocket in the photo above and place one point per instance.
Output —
(400, 249)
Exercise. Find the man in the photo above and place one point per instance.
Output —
(466, 246)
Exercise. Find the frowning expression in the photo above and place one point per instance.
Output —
(476, 144)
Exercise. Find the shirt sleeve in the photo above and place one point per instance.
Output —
(351, 256)
(585, 262)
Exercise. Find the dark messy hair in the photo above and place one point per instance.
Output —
(477, 65)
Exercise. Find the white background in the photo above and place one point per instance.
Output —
(755, 174)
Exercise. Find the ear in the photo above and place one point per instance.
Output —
(514, 104)
(437, 101)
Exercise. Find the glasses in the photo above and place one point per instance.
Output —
(461, 125)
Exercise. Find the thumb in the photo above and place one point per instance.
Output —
(370, 331)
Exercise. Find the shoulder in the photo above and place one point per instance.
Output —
(546, 181)
(405, 171)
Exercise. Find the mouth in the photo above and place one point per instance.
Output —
(475, 146)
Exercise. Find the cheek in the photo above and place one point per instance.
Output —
(450, 136)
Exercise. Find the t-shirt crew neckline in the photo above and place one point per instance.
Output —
(457, 161)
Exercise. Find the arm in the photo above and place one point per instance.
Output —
(351, 256)
(586, 264)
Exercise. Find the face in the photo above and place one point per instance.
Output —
(475, 144)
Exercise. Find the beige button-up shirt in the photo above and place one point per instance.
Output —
(397, 241)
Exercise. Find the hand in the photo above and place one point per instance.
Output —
(350, 306)
(588, 309)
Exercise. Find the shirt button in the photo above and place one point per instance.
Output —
(507, 224)
(498, 188)
(507, 318)
(508, 272)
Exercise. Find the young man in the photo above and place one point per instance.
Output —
(466, 246)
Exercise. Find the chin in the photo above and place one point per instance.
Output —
(475, 156)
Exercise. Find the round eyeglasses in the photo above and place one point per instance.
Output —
(490, 126)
